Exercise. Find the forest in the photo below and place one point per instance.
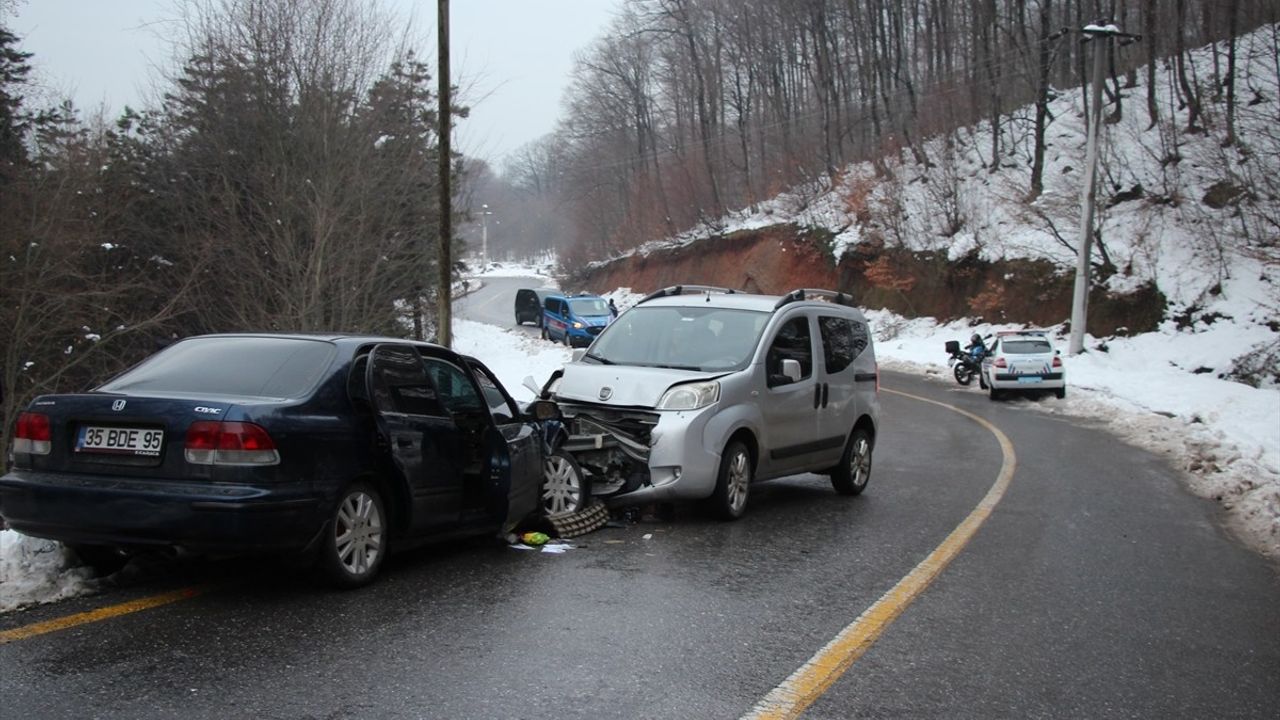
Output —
(686, 109)
(285, 180)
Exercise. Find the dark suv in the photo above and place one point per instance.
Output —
(341, 446)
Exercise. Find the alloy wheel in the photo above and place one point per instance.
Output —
(562, 491)
(358, 533)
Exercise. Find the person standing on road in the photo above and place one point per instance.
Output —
(613, 309)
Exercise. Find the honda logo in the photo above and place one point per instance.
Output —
(118, 405)
(606, 393)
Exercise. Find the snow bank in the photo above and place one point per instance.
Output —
(34, 571)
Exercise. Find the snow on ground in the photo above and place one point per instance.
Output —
(38, 571)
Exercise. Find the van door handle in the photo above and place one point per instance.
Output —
(817, 395)
(826, 388)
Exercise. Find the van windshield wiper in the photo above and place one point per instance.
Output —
(694, 368)
(597, 358)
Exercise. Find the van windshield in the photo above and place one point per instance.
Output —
(692, 338)
(584, 307)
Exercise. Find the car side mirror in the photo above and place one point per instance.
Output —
(542, 410)
(791, 370)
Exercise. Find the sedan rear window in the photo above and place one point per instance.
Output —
(265, 367)
(1027, 347)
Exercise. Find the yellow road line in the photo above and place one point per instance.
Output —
(104, 613)
(813, 678)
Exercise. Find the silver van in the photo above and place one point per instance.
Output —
(697, 392)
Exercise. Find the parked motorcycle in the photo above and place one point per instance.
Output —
(964, 364)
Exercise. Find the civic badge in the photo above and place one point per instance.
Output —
(118, 405)
(606, 393)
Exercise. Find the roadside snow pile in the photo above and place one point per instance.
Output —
(512, 356)
(35, 571)
(1224, 435)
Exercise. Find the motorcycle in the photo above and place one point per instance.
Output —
(965, 365)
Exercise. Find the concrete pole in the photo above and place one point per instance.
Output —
(444, 290)
(1080, 299)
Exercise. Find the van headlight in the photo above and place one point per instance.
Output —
(690, 396)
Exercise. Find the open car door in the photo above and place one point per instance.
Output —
(425, 445)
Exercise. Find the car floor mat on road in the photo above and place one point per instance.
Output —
(591, 518)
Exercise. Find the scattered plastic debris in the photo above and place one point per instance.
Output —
(535, 538)
(648, 536)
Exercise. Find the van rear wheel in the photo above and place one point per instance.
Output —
(851, 475)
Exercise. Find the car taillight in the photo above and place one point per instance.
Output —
(213, 442)
(1057, 361)
(34, 435)
(1001, 363)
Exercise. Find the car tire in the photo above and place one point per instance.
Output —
(1060, 393)
(851, 475)
(565, 487)
(104, 560)
(544, 331)
(992, 392)
(567, 342)
(733, 483)
(982, 381)
(963, 375)
(355, 540)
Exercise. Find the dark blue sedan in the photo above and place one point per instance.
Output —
(337, 446)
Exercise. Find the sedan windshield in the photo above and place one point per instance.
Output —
(584, 307)
(1026, 347)
(698, 338)
(263, 367)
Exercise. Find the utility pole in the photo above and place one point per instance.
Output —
(444, 290)
(1101, 36)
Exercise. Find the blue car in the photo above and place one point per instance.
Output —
(340, 447)
(574, 320)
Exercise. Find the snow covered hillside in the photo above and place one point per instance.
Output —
(1178, 210)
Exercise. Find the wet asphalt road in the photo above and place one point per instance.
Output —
(1098, 588)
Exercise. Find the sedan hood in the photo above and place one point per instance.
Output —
(622, 385)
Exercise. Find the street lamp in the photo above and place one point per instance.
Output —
(484, 236)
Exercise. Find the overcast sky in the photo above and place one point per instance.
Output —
(512, 56)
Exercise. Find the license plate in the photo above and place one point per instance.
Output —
(124, 441)
(1029, 379)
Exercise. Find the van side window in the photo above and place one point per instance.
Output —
(791, 343)
(842, 341)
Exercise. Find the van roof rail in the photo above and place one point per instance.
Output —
(802, 294)
(685, 290)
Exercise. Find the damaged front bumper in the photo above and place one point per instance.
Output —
(637, 456)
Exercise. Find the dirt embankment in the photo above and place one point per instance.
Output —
(779, 258)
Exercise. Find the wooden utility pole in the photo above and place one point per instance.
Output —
(1101, 37)
(444, 290)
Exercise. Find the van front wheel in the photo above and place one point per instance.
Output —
(733, 483)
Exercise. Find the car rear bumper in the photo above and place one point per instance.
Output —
(122, 511)
(1048, 381)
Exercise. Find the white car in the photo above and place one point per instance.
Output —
(1021, 361)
